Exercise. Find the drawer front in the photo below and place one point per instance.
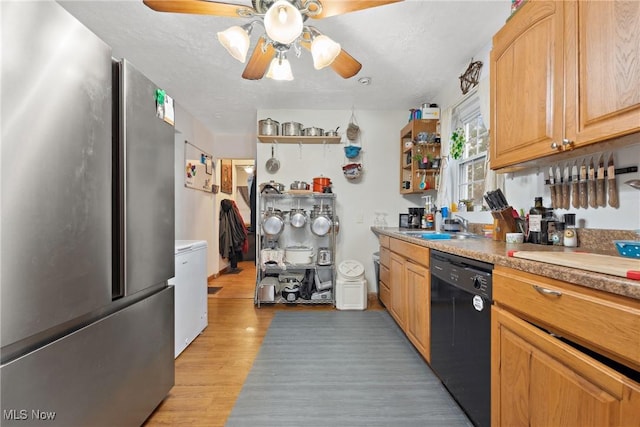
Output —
(384, 257)
(384, 241)
(385, 275)
(385, 294)
(416, 253)
(594, 319)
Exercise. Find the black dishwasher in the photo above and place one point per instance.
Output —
(461, 300)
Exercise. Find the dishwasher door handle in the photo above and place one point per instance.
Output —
(545, 291)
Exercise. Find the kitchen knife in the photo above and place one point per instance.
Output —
(612, 191)
(496, 200)
(600, 194)
(566, 188)
(575, 201)
(583, 185)
(551, 181)
(591, 185)
(503, 200)
(558, 187)
(489, 202)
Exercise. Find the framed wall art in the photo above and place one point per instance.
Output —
(226, 176)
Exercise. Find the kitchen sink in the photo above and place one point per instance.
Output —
(435, 235)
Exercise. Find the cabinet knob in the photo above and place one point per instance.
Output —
(567, 144)
(554, 145)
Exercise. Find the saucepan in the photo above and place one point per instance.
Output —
(332, 132)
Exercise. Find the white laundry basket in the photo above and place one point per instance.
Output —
(351, 286)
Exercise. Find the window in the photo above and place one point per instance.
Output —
(472, 164)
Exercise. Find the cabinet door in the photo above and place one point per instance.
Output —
(418, 286)
(526, 85)
(539, 381)
(397, 287)
(602, 67)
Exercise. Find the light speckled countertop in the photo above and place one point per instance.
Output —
(496, 253)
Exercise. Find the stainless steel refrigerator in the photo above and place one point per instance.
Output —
(87, 228)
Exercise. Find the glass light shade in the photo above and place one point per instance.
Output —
(236, 40)
(324, 51)
(283, 22)
(280, 70)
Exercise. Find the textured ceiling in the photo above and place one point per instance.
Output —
(409, 49)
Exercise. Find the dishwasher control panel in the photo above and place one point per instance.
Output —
(468, 274)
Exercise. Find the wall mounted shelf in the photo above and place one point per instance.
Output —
(299, 139)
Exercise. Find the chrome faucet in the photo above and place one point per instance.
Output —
(463, 222)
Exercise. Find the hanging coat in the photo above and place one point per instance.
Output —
(233, 233)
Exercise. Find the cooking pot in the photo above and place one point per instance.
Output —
(320, 183)
(299, 185)
(352, 151)
(268, 127)
(272, 222)
(313, 131)
(297, 218)
(292, 129)
(291, 292)
(299, 255)
(325, 257)
(271, 187)
(320, 224)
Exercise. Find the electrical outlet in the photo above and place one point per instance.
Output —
(359, 218)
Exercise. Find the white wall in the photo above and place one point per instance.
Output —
(357, 202)
(522, 187)
(194, 209)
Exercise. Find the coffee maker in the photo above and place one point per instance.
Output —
(415, 217)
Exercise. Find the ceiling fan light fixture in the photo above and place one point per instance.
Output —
(283, 22)
(280, 69)
(236, 40)
(324, 51)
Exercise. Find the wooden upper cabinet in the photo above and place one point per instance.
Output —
(526, 85)
(602, 66)
(564, 75)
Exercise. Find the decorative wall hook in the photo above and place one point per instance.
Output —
(470, 77)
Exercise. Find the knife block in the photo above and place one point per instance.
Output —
(503, 223)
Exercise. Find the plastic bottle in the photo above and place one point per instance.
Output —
(438, 220)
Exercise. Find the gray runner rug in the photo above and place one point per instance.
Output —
(341, 368)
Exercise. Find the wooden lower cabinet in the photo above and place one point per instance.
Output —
(397, 287)
(538, 380)
(410, 289)
(418, 288)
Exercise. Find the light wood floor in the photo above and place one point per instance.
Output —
(210, 372)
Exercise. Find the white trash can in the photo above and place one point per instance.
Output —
(351, 286)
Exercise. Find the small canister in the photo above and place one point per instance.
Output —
(324, 256)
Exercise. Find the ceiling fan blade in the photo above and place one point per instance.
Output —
(344, 64)
(259, 61)
(197, 7)
(339, 7)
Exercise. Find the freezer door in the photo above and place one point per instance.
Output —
(147, 184)
(56, 171)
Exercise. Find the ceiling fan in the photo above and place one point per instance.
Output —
(285, 32)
